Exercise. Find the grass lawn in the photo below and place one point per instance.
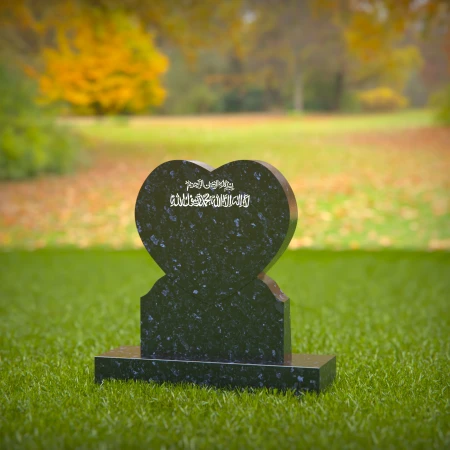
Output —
(384, 314)
(366, 181)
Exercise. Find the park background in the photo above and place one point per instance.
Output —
(349, 99)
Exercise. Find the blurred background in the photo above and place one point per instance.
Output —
(350, 100)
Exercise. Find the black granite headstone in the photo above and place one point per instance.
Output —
(215, 317)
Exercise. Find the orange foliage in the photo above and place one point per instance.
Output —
(100, 63)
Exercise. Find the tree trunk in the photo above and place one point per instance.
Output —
(98, 109)
(338, 91)
(298, 86)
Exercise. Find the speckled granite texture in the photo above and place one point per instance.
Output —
(212, 252)
(247, 326)
(215, 317)
(304, 373)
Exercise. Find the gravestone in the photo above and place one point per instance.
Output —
(215, 317)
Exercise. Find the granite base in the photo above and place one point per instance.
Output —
(302, 373)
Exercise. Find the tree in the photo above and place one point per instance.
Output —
(188, 25)
(292, 51)
(31, 142)
(285, 38)
(98, 63)
(101, 56)
(381, 39)
(354, 43)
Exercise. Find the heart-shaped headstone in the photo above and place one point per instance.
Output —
(213, 231)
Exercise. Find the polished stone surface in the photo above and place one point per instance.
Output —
(251, 325)
(303, 373)
(215, 303)
(213, 251)
(215, 317)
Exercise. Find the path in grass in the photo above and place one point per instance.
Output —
(384, 314)
(360, 181)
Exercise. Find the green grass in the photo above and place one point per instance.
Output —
(371, 191)
(384, 314)
(292, 145)
(216, 131)
(361, 181)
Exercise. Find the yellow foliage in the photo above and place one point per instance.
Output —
(382, 99)
(101, 63)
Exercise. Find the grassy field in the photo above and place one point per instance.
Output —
(374, 198)
(360, 181)
(384, 314)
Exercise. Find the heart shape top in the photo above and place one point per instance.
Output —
(212, 231)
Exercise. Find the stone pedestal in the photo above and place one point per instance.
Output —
(302, 373)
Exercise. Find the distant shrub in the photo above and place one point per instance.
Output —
(201, 99)
(440, 101)
(231, 101)
(351, 102)
(317, 93)
(381, 99)
(254, 99)
(30, 141)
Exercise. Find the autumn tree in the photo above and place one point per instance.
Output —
(284, 37)
(102, 56)
(381, 39)
(287, 49)
(354, 43)
(97, 63)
